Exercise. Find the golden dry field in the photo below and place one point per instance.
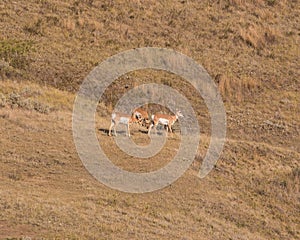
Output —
(251, 51)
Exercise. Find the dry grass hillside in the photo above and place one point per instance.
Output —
(251, 50)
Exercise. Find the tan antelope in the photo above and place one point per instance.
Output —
(164, 119)
(126, 119)
(122, 118)
(142, 115)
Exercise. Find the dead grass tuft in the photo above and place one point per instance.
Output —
(237, 89)
(286, 185)
(258, 36)
(242, 4)
(31, 96)
(69, 24)
(35, 28)
(2, 100)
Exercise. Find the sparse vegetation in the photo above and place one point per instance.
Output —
(30, 96)
(13, 51)
(236, 89)
(2, 100)
(35, 28)
(250, 49)
(14, 55)
(14, 100)
(259, 37)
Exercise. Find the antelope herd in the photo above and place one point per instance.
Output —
(141, 117)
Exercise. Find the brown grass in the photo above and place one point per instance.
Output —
(78, 35)
(249, 48)
(259, 37)
(237, 89)
(49, 194)
(34, 97)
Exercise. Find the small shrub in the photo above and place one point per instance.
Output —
(14, 98)
(271, 2)
(14, 54)
(26, 104)
(35, 28)
(69, 24)
(18, 100)
(15, 175)
(167, 82)
(29, 92)
(2, 100)
(4, 68)
(40, 107)
(52, 20)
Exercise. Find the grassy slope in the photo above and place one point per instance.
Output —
(250, 49)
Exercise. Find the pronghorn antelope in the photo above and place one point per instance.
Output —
(142, 115)
(164, 119)
(122, 118)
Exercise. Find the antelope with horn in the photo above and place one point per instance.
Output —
(143, 116)
(164, 119)
(121, 118)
